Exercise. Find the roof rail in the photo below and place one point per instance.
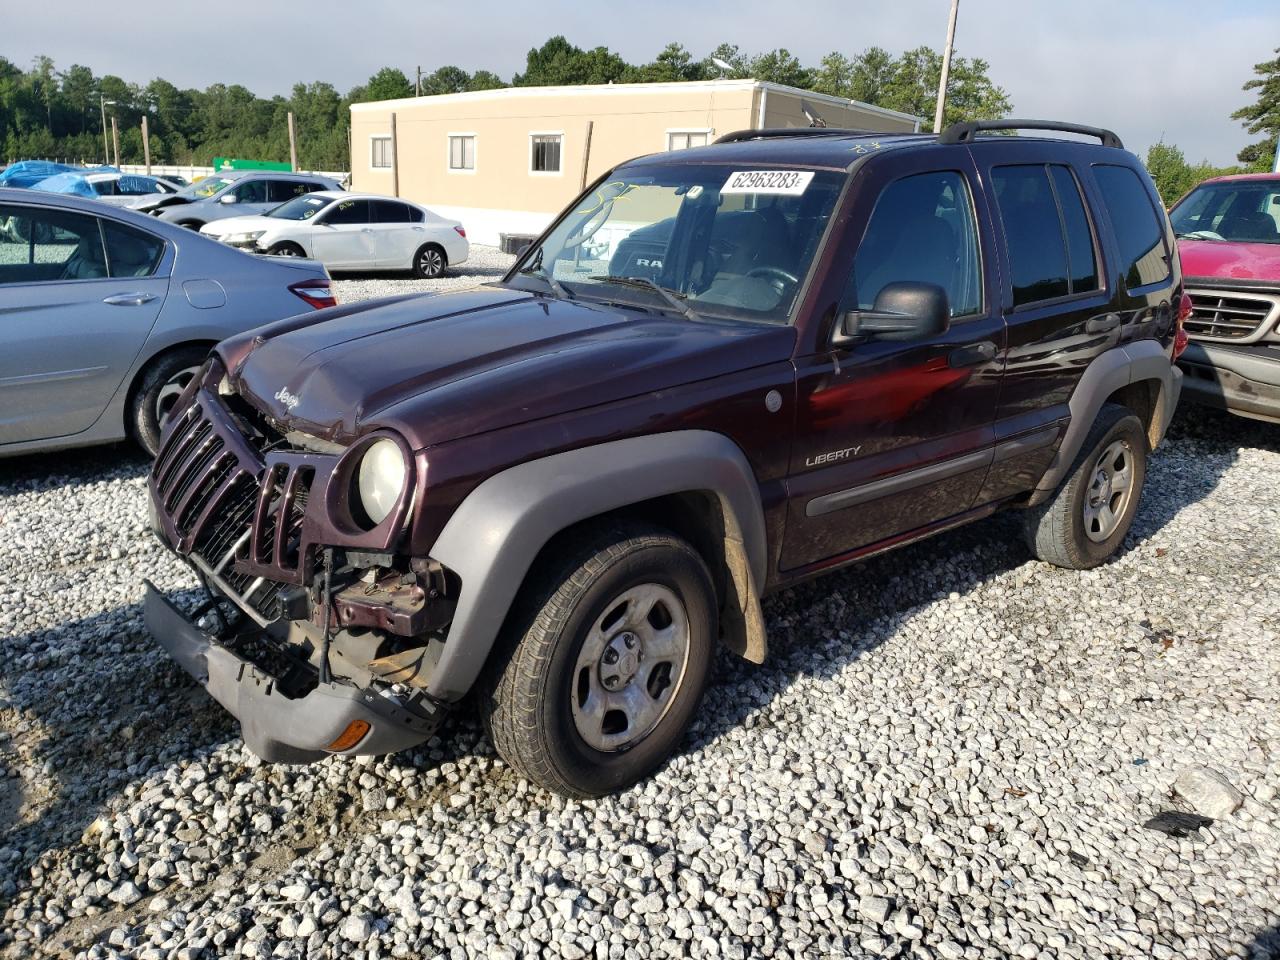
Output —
(966, 131)
(769, 133)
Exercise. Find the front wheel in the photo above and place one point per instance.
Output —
(608, 659)
(285, 248)
(1087, 518)
(429, 262)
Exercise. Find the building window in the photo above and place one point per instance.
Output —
(684, 139)
(462, 152)
(381, 153)
(545, 152)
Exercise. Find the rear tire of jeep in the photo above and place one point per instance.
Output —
(608, 657)
(156, 392)
(1089, 515)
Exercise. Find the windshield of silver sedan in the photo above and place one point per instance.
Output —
(692, 239)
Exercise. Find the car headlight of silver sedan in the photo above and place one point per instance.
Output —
(381, 478)
(249, 236)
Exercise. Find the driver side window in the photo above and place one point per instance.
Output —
(40, 245)
(255, 191)
(923, 230)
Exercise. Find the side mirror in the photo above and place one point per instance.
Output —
(228, 198)
(904, 310)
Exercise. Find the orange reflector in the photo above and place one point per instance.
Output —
(354, 733)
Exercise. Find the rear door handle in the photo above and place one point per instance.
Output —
(1103, 324)
(972, 355)
(129, 299)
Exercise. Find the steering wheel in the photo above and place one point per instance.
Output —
(589, 227)
(775, 275)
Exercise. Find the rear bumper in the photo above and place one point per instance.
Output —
(1244, 380)
(275, 727)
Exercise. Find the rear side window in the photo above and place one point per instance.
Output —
(278, 191)
(1033, 233)
(130, 252)
(1138, 232)
(252, 191)
(388, 211)
(1082, 262)
(922, 229)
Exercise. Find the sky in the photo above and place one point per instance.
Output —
(1149, 69)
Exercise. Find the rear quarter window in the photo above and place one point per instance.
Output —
(1139, 234)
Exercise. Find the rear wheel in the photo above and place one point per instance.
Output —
(429, 262)
(285, 248)
(1087, 518)
(608, 659)
(158, 391)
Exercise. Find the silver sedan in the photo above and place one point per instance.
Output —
(106, 314)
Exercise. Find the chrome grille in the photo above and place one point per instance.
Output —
(1231, 315)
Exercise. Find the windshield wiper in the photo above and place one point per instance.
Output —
(675, 299)
(558, 288)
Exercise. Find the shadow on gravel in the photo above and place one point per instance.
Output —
(1265, 946)
(452, 273)
(37, 472)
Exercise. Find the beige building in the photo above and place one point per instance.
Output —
(508, 160)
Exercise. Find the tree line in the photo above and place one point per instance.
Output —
(45, 112)
(51, 113)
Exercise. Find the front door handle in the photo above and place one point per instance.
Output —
(129, 299)
(1104, 324)
(972, 355)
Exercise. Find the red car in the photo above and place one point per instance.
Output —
(1229, 237)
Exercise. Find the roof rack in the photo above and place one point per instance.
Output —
(966, 131)
(768, 133)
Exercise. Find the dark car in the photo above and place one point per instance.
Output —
(720, 372)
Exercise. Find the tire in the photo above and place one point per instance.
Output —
(1089, 515)
(285, 248)
(158, 388)
(430, 261)
(550, 698)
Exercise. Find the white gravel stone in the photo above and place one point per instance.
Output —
(1208, 792)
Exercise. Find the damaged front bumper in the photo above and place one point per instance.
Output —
(328, 718)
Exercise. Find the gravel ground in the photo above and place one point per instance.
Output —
(951, 753)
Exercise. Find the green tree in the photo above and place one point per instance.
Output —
(780, 66)
(448, 79)
(558, 62)
(1262, 116)
(730, 54)
(674, 64)
(912, 87)
(387, 84)
(1173, 176)
(485, 80)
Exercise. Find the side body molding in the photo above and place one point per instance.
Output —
(1111, 371)
(493, 538)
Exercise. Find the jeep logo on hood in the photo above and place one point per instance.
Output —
(290, 400)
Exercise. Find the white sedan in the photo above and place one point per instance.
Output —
(351, 231)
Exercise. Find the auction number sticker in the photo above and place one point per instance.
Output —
(789, 183)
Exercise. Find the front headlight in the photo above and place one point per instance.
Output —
(248, 237)
(381, 478)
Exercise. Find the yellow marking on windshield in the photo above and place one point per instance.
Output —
(602, 201)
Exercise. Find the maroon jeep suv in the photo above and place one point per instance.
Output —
(719, 372)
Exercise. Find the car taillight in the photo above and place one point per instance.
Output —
(461, 231)
(316, 292)
(1180, 331)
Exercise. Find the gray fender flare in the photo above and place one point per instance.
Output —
(1108, 372)
(493, 538)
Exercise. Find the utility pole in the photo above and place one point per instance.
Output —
(115, 139)
(946, 67)
(106, 150)
(417, 87)
(293, 144)
(146, 145)
(1275, 167)
(395, 159)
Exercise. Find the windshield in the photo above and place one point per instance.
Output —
(204, 188)
(696, 239)
(300, 208)
(1241, 210)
